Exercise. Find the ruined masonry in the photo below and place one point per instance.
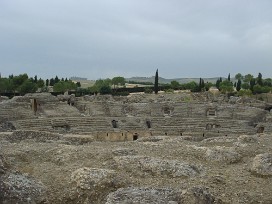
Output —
(109, 118)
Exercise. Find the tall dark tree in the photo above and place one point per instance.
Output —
(229, 77)
(78, 84)
(201, 84)
(252, 83)
(47, 82)
(40, 83)
(260, 79)
(156, 84)
(35, 79)
(51, 82)
(56, 79)
(217, 84)
(238, 85)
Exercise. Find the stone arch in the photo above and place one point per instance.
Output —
(114, 123)
(135, 136)
(260, 129)
(148, 123)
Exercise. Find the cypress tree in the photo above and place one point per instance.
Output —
(252, 83)
(260, 79)
(156, 84)
(229, 77)
(217, 83)
(238, 85)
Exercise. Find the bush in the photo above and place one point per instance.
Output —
(169, 91)
(123, 93)
(244, 92)
(148, 90)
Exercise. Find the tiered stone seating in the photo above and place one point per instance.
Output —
(42, 124)
(10, 111)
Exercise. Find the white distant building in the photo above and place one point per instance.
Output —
(214, 90)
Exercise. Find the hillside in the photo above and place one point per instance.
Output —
(165, 81)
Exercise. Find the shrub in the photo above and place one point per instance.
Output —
(148, 90)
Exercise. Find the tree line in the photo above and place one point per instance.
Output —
(241, 85)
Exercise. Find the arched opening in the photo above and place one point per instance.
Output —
(148, 124)
(114, 123)
(203, 135)
(166, 110)
(260, 129)
(209, 126)
(181, 134)
(135, 136)
(165, 133)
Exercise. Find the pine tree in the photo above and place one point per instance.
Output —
(156, 84)
(229, 77)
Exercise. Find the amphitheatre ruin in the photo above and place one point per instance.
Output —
(143, 148)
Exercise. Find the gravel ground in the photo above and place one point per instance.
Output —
(97, 171)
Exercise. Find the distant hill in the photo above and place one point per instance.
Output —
(165, 81)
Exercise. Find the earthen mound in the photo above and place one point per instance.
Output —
(195, 195)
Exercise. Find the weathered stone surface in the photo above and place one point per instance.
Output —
(78, 139)
(195, 195)
(6, 126)
(18, 188)
(248, 138)
(147, 165)
(143, 196)
(2, 165)
(262, 164)
(152, 139)
(91, 185)
(222, 154)
(90, 178)
(36, 135)
(219, 140)
(124, 152)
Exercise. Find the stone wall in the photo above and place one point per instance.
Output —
(170, 114)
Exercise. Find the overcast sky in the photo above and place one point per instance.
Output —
(107, 38)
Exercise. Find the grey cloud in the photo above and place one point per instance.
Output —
(97, 39)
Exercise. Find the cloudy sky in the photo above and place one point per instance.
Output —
(107, 38)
